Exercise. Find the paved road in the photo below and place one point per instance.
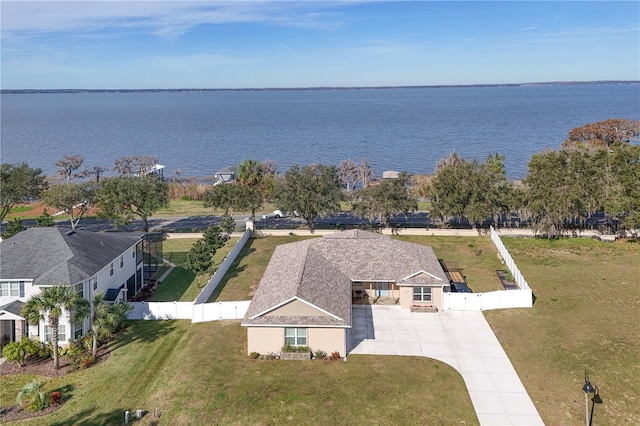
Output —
(462, 339)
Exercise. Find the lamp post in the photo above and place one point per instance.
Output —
(587, 388)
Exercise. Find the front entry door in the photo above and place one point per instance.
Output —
(382, 289)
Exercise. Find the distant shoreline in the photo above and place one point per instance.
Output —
(266, 89)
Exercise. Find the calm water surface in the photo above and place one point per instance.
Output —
(394, 129)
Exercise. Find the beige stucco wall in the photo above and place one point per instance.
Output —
(327, 339)
(406, 297)
(296, 308)
(266, 340)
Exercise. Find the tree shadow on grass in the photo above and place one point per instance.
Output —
(175, 286)
(94, 417)
(234, 271)
(145, 331)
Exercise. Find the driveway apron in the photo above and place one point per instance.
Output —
(462, 339)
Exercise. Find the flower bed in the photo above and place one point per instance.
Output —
(424, 308)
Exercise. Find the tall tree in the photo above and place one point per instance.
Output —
(122, 198)
(74, 198)
(349, 173)
(13, 227)
(247, 199)
(385, 199)
(221, 197)
(310, 191)
(50, 304)
(199, 258)
(469, 189)
(69, 165)
(365, 172)
(105, 319)
(19, 184)
(603, 134)
(213, 238)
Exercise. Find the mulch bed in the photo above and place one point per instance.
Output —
(41, 367)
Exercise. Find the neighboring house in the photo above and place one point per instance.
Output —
(226, 175)
(116, 264)
(306, 293)
(155, 170)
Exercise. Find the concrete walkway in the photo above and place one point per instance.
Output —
(462, 339)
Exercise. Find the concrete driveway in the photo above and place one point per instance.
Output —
(462, 339)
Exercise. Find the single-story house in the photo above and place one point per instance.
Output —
(116, 264)
(306, 293)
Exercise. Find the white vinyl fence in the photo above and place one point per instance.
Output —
(198, 310)
(508, 260)
(501, 299)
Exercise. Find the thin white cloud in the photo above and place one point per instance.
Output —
(158, 17)
(535, 27)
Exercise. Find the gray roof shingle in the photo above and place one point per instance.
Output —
(320, 272)
(53, 255)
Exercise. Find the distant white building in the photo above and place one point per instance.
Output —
(226, 175)
(390, 174)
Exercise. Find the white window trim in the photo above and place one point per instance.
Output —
(296, 336)
(422, 294)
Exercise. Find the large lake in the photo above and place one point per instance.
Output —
(394, 129)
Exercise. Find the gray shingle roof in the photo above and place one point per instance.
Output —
(51, 256)
(14, 307)
(320, 272)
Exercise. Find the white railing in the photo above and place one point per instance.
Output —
(501, 299)
(508, 260)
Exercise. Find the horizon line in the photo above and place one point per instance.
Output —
(547, 83)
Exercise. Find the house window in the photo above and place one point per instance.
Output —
(133, 253)
(79, 289)
(111, 269)
(78, 329)
(295, 336)
(121, 261)
(94, 280)
(422, 294)
(62, 333)
(10, 289)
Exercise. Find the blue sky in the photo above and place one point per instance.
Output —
(170, 44)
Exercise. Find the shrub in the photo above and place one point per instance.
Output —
(18, 351)
(87, 361)
(75, 352)
(45, 350)
(320, 354)
(254, 355)
(335, 355)
(296, 349)
(55, 398)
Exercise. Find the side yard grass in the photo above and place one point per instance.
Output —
(182, 285)
(201, 373)
(585, 316)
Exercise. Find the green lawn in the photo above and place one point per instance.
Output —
(246, 271)
(585, 316)
(477, 256)
(182, 285)
(200, 374)
(186, 208)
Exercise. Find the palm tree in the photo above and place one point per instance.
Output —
(50, 304)
(33, 391)
(250, 173)
(105, 318)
